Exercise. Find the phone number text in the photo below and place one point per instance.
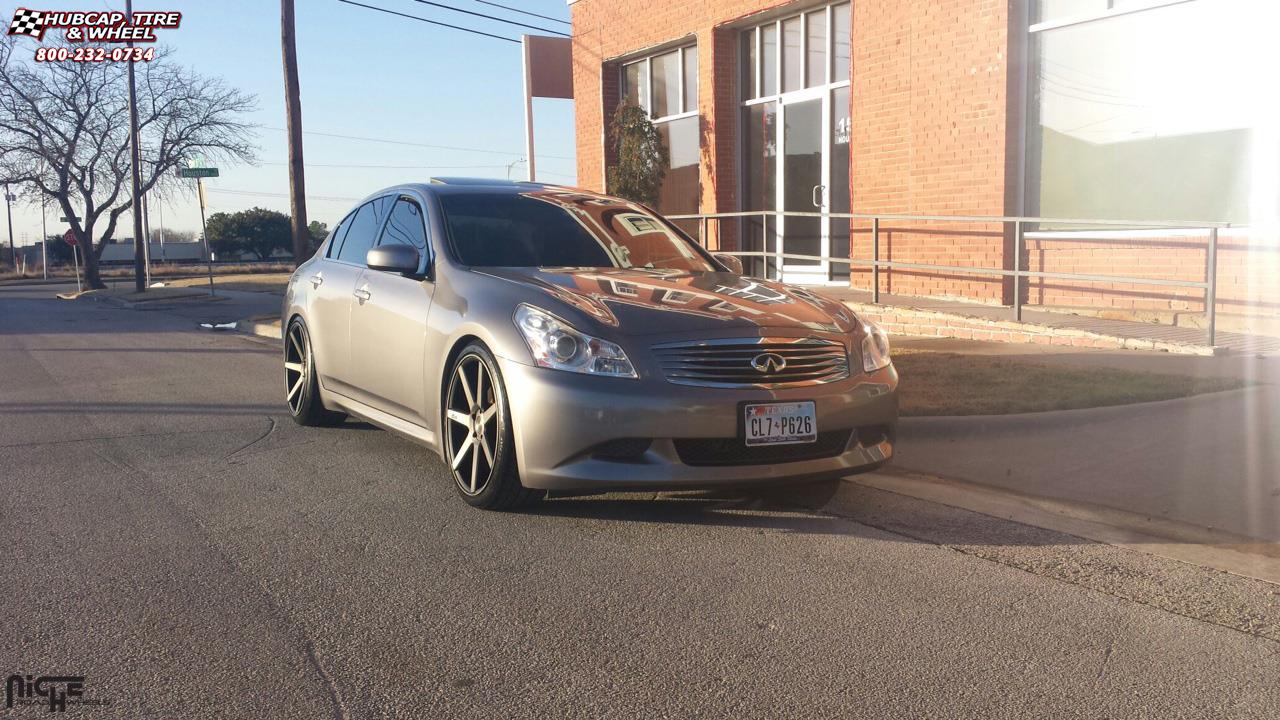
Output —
(95, 54)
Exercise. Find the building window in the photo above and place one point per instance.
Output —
(1152, 112)
(666, 85)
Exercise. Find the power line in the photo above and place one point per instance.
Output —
(415, 144)
(524, 12)
(433, 22)
(254, 193)
(490, 17)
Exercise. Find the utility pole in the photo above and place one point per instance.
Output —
(146, 235)
(135, 209)
(8, 211)
(44, 236)
(293, 123)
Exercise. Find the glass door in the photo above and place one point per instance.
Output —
(804, 188)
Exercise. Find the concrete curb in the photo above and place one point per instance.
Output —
(266, 326)
(150, 302)
(962, 426)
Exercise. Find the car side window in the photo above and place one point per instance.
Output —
(406, 227)
(338, 234)
(362, 232)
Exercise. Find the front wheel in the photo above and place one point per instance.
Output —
(479, 444)
(301, 388)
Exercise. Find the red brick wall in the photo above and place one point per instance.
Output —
(930, 137)
(605, 30)
(929, 115)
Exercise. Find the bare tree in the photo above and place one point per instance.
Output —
(64, 134)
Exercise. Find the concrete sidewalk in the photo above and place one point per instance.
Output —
(1211, 461)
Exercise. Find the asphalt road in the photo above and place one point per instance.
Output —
(174, 538)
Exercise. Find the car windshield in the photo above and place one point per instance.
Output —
(556, 228)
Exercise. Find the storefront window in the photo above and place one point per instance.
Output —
(681, 185)
(815, 24)
(1153, 115)
(666, 85)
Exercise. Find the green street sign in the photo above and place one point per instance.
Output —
(66, 219)
(201, 172)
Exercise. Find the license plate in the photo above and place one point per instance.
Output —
(785, 423)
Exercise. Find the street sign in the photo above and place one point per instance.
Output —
(66, 219)
(69, 238)
(200, 172)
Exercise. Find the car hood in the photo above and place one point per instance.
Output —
(638, 301)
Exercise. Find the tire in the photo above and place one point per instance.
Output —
(476, 432)
(301, 386)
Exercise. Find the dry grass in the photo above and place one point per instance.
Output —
(940, 383)
(257, 282)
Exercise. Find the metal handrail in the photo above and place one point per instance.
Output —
(1209, 284)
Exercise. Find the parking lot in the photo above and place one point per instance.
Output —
(175, 539)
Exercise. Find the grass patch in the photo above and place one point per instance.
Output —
(257, 282)
(159, 271)
(941, 383)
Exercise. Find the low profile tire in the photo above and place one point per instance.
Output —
(301, 388)
(478, 442)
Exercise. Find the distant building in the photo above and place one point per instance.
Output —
(121, 251)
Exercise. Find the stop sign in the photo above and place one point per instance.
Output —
(70, 237)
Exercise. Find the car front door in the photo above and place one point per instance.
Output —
(333, 283)
(389, 323)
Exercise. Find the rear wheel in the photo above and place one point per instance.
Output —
(301, 388)
(479, 444)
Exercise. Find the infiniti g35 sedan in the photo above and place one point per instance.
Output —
(545, 338)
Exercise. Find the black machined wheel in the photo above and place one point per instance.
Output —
(479, 446)
(302, 389)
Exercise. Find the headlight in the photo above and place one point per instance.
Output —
(875, 347)
(555, 344)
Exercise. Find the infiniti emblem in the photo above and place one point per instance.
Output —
(768, 362)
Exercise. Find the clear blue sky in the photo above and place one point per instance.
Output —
(366, 74)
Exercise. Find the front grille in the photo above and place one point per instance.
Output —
(728, 362)
(732, 451)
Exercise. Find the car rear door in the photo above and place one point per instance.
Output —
(389, 322)
(333, 283)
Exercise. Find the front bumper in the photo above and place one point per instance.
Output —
(560, 420)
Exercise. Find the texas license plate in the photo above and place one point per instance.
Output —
(780, 423)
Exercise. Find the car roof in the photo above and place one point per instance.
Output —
(470, 186)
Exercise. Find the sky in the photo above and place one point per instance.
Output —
(365, 74)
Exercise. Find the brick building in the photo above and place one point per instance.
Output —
(1075, 109)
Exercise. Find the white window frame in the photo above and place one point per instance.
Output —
(681, 52)
(1102, 14)
(828, 74)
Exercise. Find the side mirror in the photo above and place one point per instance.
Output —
(402, 259)
(733, 262)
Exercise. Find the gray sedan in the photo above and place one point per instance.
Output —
(545, 338)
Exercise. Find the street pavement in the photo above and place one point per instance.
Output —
(174, 538)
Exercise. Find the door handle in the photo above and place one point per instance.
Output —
(362, 294)
(317, 280)
(816, 195)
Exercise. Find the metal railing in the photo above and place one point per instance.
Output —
(1209, 285)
